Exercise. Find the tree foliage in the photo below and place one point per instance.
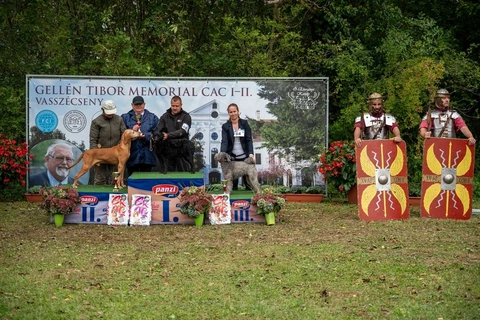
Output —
(299, 133)
(402, 49)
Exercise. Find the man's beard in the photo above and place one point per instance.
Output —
(443, 106)
(62, 171)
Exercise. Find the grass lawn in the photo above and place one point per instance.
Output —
(318, 262)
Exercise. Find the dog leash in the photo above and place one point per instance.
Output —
(151, 143)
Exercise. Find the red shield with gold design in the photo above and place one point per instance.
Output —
(382, 186)
(447, 178)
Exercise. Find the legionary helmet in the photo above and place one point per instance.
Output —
(374, 96)
(441, 93)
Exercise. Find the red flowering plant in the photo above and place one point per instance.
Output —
(195, 201)
(337, 164)
(14, 159)
(268, 201)
(59, 199)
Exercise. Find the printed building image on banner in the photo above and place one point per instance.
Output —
(447, 178)
(61, 108)
(382, 186)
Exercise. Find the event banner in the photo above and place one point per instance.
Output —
(60, 109)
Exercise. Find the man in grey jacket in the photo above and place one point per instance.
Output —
(106, 131)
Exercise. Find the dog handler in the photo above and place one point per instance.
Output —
(142, 158)
(178, 123)
(237, 138)
(106, 131)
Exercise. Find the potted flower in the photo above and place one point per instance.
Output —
(269, 203)
(195, 202)
(337, 164)
(59, 201)
(33, 194)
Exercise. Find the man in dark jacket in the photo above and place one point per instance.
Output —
(142, 158)
(105, 132)
(177, 123)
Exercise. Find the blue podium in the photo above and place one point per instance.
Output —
(164, 191)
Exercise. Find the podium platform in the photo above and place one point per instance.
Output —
(93, 208)
(164, 190)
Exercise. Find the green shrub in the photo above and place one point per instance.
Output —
(34, 190)
(314, 190)
(298, 189)
(15, 192)
(282, 189)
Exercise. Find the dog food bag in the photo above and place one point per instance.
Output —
(141, 210)
(117, 209)
(221, 212)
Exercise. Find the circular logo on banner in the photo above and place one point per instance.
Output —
(75, 121)
(46, 121)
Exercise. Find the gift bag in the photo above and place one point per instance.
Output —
(141, 210)
(117, 209)
(221, 212)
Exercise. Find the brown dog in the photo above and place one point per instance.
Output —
(117, 155)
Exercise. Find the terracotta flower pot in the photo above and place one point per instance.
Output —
(352, 195)
(33, 197)
(414, 201)
(303, 197)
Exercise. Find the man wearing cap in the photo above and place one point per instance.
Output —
(142, 158)
(105, 132)
(376, 123)
(443, 121)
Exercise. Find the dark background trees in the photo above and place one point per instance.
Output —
(400, 48)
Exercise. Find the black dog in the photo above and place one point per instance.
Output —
(171, 150)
